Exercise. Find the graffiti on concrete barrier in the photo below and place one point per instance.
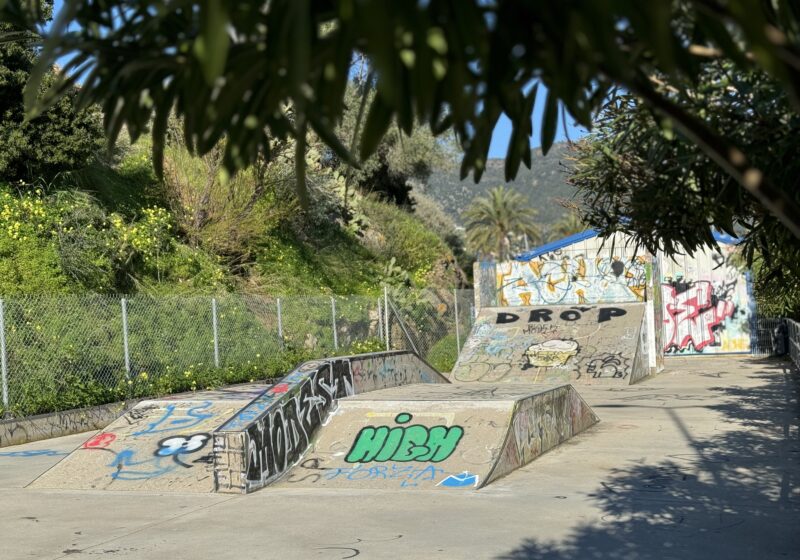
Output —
(407, 475)
(100, 441)
(608, 365)
(171, 421)
(556, 278)
(551, 353)
(694, 316)
(127, 467)
(279, 437)
(460, 480)
(404, 443)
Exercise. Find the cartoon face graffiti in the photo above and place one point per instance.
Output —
(180, 445)
(551, 353)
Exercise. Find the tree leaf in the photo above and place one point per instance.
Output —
(211, 46)
(379, 119)
(549, 121)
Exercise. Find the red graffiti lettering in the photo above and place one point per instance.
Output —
(100, 440)
(689, 317)
(279, 388)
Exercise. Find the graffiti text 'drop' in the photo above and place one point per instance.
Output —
(570, 315)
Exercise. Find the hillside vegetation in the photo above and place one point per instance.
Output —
(114, 228)
(542, 186)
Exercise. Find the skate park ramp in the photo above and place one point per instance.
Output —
(180, 444)
(260, 443)
(428, 437)
(582, 344)
(159, 445)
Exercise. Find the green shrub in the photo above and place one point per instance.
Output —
(443, 354)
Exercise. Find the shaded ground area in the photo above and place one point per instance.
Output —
(702, 461)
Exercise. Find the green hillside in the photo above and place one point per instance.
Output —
(543, 185)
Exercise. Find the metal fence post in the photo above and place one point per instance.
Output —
(386, 315)
(125, 335)
(333, 316)
(216, 331)
(455, 309)
(3, 356)
(280, 324)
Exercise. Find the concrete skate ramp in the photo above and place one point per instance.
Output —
(438, 436)
(576, 344)
(263, 440)
(163, 445)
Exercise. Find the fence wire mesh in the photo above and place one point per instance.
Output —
(794, 341)
(766, 340)
(434, 324)
(72, 351)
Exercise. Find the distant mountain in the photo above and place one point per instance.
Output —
(542, 185)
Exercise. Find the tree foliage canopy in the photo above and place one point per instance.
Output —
(493, 219)
(233, 68)
(61, 139)
(638, 175)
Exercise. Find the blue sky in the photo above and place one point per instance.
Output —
(502, 131)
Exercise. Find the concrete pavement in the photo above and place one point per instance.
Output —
(702, 461)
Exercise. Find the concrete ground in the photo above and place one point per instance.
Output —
(702, 461)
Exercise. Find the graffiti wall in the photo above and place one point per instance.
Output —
(593, 270)
(567, 278)
(706, 307)
(581, 344)
(444, 437)
(264, 439)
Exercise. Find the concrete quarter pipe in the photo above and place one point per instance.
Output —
(557, 344)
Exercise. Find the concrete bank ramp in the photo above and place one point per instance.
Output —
(163, 445)
(438, 436)
(557, 344)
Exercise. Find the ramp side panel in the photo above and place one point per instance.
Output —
(556, 344)
(540, 423)
(641, 363)
(156, 446)
(411, 445)
(263, 440)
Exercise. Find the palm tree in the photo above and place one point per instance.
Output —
(493, 219)
(568, 224)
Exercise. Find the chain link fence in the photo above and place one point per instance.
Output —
(72, 351)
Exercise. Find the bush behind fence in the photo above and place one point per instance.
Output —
(72, 351)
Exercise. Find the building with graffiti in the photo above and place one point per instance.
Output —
(699, 304)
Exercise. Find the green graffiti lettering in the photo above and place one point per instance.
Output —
(390, 445)
(404, 443)
(413, 444)
(369, 442)
(442, 441)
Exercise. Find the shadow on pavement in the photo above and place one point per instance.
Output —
(735, 496)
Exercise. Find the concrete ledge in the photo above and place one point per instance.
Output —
(15, 431)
